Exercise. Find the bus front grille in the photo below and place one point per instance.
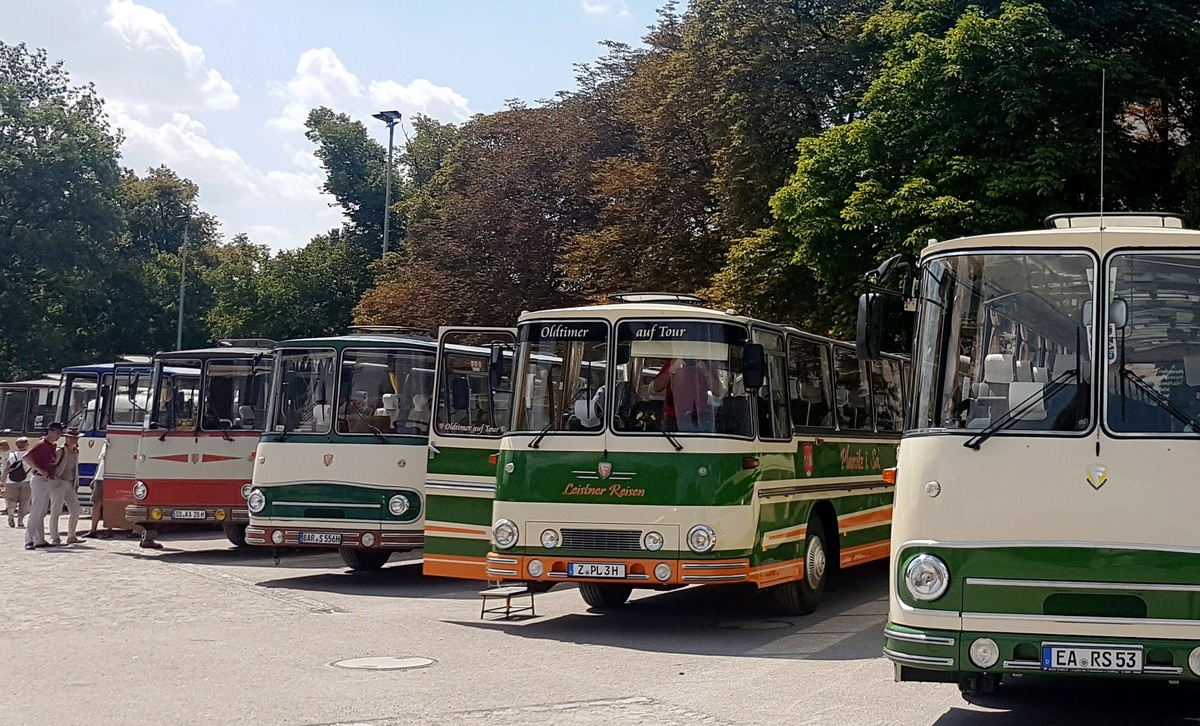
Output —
(612, 540)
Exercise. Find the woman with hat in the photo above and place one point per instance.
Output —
(63, 487)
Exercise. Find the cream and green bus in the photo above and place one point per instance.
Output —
(1042, 499)
(655, 443)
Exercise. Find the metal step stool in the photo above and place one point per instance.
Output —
(506, 594)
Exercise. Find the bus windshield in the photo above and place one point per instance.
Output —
(385, 392)
(235, 395)
(1153, 371)
(1003, 333)
(679, 376)
(304, 387)
(177, 397)
(560, 368)
(82, 393)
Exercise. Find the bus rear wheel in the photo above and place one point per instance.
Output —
(800, 597)
(362, 560)
(236, 533)
(604, 596)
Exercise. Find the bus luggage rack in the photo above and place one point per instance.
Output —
(601, 539)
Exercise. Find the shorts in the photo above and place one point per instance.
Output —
(97, 491)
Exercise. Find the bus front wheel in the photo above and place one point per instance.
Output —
(604, 596)
(363, 559)
(236, 533)
(800, 597)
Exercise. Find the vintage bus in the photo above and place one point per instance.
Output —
(84, 403)
(342, 461)
(27, 407)
(1040, 520)
(655, 443)
(196, 452)
(122, 412)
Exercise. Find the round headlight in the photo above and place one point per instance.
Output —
(662, 572)
(550, 539)
(504, 534)
(140, 491)
(1194, 661)
(257, 501)
(398, 505)
(926, 577)
(701, 538)
(653, 541)
(277, 536)
(536, 568)
(246, 490)
(368, 539)
(984, 652)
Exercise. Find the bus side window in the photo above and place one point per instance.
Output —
(773, 397)
(886, 394)
(12, 410)
(851, 392)
(808, 373)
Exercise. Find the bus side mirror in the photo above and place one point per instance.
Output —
(133, 388)
(495, 367)
(870, 326)
(1118, 313)
(754, 366)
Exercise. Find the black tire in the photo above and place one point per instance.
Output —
(363, 560)
(604, 596)
(235, 533)
(978, 685)
(800, 597)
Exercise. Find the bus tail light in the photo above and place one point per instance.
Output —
(889, 476)
(750, 462)
(493, 459)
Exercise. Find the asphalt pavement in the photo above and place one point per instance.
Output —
(203, 633)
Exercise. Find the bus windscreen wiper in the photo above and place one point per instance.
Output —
(649, 413)
(541, 434)
(1159, 400)
(1015, 413)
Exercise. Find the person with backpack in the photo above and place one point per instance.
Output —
(42, 457)
(16, 484)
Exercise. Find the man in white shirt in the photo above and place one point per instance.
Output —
(16, 477)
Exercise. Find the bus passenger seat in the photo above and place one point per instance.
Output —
(1034, 410)
(1024, 371)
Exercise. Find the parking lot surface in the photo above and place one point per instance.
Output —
(200, 632)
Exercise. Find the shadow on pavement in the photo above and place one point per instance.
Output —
(401, 579)
(728, 621)
(1095, 702)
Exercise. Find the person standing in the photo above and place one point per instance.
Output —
(16, 484)
(41, 458)
(63, 485)
(98, 497)
(5, 449)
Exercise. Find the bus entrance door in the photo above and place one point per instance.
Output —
(471, 408)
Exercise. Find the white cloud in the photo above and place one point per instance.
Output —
(321, 79)
(619, 8)
(152, 34)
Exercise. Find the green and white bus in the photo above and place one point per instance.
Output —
(655, 443)
(342, 461)
(1041, 519)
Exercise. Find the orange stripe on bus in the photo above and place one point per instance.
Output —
(452, 530)
(880, 517)
(463, 568)
(865, 553)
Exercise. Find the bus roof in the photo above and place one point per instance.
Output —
(374, 340)
(44, 382)
(209, 353)
(106, 367)
(1082, 232)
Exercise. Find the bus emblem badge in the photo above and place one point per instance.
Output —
(1097, 475)
(328, 459)
(195, 458)
(604, 469)
(808, 459)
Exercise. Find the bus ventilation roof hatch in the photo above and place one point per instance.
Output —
(1076, 220)
(390, 330)
(245, 343)
(134, 358)
(677, 298)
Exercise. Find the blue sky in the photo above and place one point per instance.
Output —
(218, 89)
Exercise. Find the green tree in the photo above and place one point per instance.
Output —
(355, 173)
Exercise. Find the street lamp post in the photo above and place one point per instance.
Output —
(391, 118)
(182, 273)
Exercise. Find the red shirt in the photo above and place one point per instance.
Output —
(43, 454)
(687, 390)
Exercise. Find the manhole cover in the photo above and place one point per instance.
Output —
(754, 624)
(384, 663)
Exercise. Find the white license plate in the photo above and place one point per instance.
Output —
(85, 511)
(320, 538)
(189, 514)
(596, 569)
(1092, 658)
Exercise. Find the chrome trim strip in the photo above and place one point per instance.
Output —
(1022, 665)
(713, 578)
(501, 560)
(918, 638)
(835, 487)
(1052, 543)
(1068, 585)
(490, 571)
(328, 504)
(637, 577)
(917, 660)
(717, 566)
(1092, 620)
(1162, 670)
(460, 486)
(931, 613)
